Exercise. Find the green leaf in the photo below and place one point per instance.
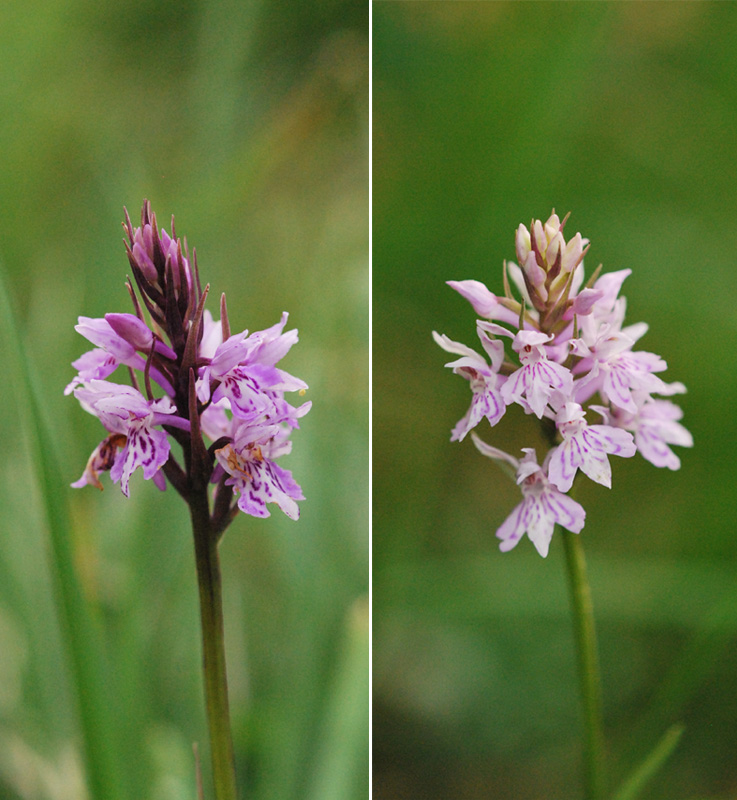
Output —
(342, 752)
(635, 784)
(80, 630)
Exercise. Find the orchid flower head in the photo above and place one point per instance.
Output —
(191, 379)
(559, 348)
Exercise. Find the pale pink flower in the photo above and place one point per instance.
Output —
(543, 504)
(585, 447)
(535, 382)
(484, 380)
(655, 426)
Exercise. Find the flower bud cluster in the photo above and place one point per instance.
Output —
(547, 263)
(566, 347)
(191, 380)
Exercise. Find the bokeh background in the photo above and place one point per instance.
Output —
(249, 122)
(486, 115)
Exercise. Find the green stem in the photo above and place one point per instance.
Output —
(213, 648)
(588, 666)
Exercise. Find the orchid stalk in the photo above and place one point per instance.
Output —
(219, 397)
(588, 667)
(558, 347)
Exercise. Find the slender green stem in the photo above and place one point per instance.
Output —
(213, 648)
(588, 666)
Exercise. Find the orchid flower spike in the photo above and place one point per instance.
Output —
(559, 349)
(191, 378)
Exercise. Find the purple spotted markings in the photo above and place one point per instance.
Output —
(568, 354)
(220, 396)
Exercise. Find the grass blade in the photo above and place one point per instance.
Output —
(79, 628)
(342, 754)
(635, 784)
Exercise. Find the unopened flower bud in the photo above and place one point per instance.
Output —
(130, 328)
(523, 245)
(538, 240)
(535, 274)
(145, 264)
(573, 253)
(555, 245)
(137, 334)
(552, 226)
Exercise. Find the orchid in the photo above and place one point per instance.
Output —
(585, 447)
(568, 351)
(203, 371)
(543, 504)
(192, 380)
(655, 426)
(244, 372)
(131, 421)
(484, 379)
(558, 347)
(253, 472)
(115, 349)
(536, 381)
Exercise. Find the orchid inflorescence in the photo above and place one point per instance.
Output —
(190, 378)
(568, 346)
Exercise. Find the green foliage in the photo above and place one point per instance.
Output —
(248, 122)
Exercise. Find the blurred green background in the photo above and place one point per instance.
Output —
(249, 122)
(486, 115)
